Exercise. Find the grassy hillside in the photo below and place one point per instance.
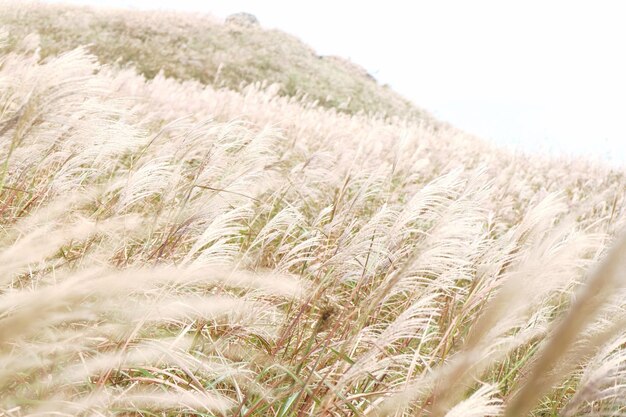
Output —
(200, 48)
(171, 248)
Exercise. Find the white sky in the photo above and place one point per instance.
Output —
(547, 75)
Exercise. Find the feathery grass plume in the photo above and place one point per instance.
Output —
(608, 277)
(412, 323)
(81, 314)
(601, 389)
(509, 311)
(239, 252)
(61, 309)
(480, 404)
(217, 244)
(4, 38)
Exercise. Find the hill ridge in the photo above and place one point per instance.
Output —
(201, 47)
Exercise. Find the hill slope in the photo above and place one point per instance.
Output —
(201, 48)
(172, 248)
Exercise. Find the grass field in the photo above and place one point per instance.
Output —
(201, 48)
(174, 246)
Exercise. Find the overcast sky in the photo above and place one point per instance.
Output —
(547, 75)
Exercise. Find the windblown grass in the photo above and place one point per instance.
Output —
(172, 249)
(202, 48)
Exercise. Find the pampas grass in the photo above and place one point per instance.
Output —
(168, 248)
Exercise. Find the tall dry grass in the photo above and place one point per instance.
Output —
(199, 47)
(172, 249)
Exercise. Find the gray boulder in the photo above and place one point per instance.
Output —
(242, 19)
